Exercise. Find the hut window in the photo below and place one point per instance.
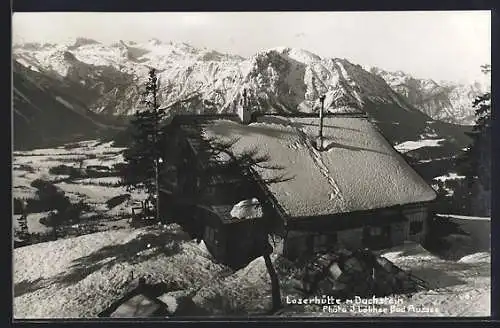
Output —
(416, 227)
(332, 240)
(211, 235)
(318, 241)
(376, 231)
(216, 236)
(211, 191)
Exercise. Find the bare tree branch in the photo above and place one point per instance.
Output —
(249, 160)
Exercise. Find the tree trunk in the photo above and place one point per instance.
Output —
(157, 151)
(275, 284)
(158, 217)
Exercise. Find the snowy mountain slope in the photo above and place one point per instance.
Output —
(41, 104)
(108, 80)
(114, 72)
(291, 80)
(445, 101)
(282, 79)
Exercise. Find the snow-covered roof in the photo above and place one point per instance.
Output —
(357, 171)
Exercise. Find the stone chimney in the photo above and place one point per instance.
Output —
(243, 109)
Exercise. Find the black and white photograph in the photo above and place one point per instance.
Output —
(201, 165)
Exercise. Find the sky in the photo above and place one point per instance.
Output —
(449, 45)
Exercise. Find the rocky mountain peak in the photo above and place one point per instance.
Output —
(446, 101)
(277, 79)
(108, 80)
(79, 42)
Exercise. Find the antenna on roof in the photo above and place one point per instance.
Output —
(320, 136)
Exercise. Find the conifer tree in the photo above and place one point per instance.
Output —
(475, 164)
(144, 155)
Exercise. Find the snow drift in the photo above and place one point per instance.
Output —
(247, 209)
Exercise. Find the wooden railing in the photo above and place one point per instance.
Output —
(143, 212)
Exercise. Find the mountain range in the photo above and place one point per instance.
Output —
(95, 85)
(445, 101)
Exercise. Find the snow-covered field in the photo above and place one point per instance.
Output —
(464, 217)
(447, 181)
(94, 192)
(449, 176)
(83, 275)
(33, 221)
(413, 145)
(111, 181)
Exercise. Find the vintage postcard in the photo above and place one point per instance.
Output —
(265, 164)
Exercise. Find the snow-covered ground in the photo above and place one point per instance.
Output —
(475, 233)
(111, 181)
(80, 277)
(95, 192)
(449, 176)
(413, 145)
(33, 222)
(444, 180)
(244, 292)
(95, 147)
(83, 275)
(457, 288)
